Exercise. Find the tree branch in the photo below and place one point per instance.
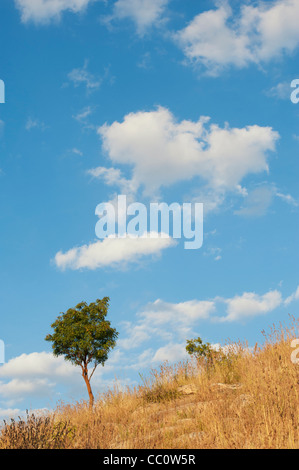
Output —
(92, 372)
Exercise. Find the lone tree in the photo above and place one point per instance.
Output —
(196, 347)
(84, 337)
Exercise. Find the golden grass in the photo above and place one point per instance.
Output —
(248, 400)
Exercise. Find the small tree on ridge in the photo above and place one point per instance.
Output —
(83, 336)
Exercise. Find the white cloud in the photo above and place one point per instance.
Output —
(138, 334)
(16, 389)
(144, 13)
(178, 317)
(145, 61)
(41, 375)
(34, 124)
(172, 324)
(292, 297)
(281, 91)
(162, 151)
(160, 312)
(37, 364)
(81, 76)
(34, 374)
(77, 151)
(175, 322)
(112, 252)
(43, 11)
(287, 198)
(215, 252)
(250, 304)
(113, 177)
(171, 352)
(219, 38)
(9, 413)
(82, 115)
(257, 202)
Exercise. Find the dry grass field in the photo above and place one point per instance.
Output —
(247, 399)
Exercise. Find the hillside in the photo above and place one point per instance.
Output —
(249, 399)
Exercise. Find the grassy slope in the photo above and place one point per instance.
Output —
(249, 400)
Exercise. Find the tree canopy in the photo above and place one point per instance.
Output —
(84, 336)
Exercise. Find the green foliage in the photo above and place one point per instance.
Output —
(204, 353)
(83, 335)
(196, 347)
(224, 360)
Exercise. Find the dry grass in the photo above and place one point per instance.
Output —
(249, 399)
(35, 432)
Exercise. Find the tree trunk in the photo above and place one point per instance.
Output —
(86, 379)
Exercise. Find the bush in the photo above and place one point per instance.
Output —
(35, 433)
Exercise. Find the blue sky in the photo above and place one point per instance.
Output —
(162, 100)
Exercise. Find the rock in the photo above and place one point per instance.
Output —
(228, 386)
(189, 389)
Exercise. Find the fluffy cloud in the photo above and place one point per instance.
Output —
(114, 177)
(35, 374)
(42, 375)
(171, 352)
(43, 11)
(178, 317)
(16, 389)
(163, 151)
(37, 364)
(112, 252)
(144, 13)
(219, 38)
(250, 304)
(6, 413)
(160, 312)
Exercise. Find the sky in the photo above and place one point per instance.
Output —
(158, 100)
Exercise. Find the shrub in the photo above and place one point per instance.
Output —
(35, 433)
